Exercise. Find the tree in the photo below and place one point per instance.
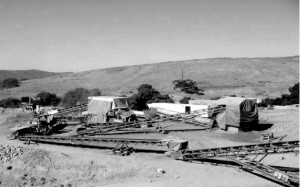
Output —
(47, 98)
(285, 99)
(10, 83)
(80, 95)
(187, 86)
(147, 94)
(294, 94)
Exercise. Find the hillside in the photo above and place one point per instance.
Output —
(250, 77)
(26, 74)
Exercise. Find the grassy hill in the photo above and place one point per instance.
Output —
(250, 77)
(26, 74)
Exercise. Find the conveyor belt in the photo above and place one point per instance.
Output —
(145, 131)
(238, 155)
(190, 117)
(100, 142)
(271, 173)
(105, 129)
(110, 127)
(68, 110)
(243, 150)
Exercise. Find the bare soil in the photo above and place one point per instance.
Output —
(53, 165)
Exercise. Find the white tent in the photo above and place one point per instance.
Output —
(116, 102)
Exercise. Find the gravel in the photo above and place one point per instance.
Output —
(8, 153)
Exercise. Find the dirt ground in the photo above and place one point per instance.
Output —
(53, 165)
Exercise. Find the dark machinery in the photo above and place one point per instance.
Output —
(46, 124)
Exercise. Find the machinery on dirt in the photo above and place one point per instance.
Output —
(111, 115)
(47, 123)
(37, 128)
(116, 120)
(29, 103)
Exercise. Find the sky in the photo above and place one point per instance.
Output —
(79, 35)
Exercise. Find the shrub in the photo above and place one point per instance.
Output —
(147, 94)
(10, 103)
(10, 83)
(80, 95)
(47, 98)
(285, 99)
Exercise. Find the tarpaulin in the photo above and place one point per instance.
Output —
(119, 103)
(240, 112)
(97, 119)
(249, 111)
(116, 102)
(50, 118)
(124, 114)
(221, 120)
(232, 116)
(99, 107)
(151, 113)
(176, 145)
(98, 110)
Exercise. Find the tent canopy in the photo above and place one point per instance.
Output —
(116, 102)
(101, 105)
(177, 145)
